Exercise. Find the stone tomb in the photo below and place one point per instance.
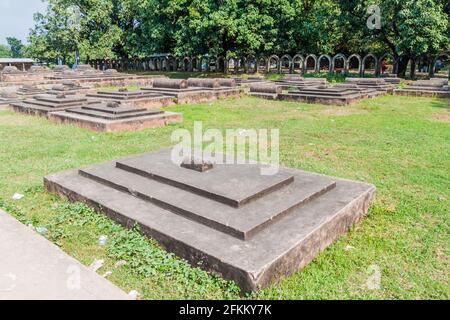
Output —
(434, 87)
(324, 94)
(294, 81)
(180, 90)
(372, 83)
(245, 82)
(135, 98)
(265, 90)
(222, 87)
(29, 91)
(111, 116)
(8, 97)
(45, 103)
(69, 88)
(248, 227)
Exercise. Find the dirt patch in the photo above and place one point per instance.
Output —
(341, 112)
(443, 117)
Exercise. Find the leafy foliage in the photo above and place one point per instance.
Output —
(138, 28)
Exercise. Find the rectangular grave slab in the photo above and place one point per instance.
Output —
(107, 117)
(249, 228)
(135, 98)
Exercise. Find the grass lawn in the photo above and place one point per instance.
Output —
(400, 144)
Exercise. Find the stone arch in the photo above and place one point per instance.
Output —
(232, 65)
(220, 64)
(307, 63)
(336, 58)
(275, 65)
(194, 64)
(261, 64)
(186, 64)
(434, 66)
(171, 63)
(252, 64)
(286, 64)
(297, 63)
(319, 62)
(364, 63)
(350, 64)
(385, 57)
(204, 63)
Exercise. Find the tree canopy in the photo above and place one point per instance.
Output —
(139, 28)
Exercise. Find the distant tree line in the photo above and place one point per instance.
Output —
(123, 29)
(14, 49)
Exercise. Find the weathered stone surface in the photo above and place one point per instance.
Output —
(203, 83)
(170, 83)
(112, 116)
(134, 98)
(250, 228)
(434, 87)
(379, 84)
(325, 94)
(46, 103)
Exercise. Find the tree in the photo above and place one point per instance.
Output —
(5, 51)
(16, 47)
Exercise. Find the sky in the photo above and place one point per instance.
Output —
(16, 18)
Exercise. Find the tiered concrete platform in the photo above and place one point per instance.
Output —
(43, 104)
(32, 268)
(251, 228)
(107, 117)
(435, 87)
(325, 95)
(180, 91)
(135, 98)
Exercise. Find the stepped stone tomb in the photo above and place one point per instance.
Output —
(391, 78)
(245, 82)
(290, 81)
(43, 104)
(434, 87)
(8, 97)
(112, 116)
(180, 90)
(69, 88)
(324, 94)
(233, 220)
(29, 91)
(134, 98)
(363, 91)
(372, 83)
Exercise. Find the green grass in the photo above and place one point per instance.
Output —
(400, 144)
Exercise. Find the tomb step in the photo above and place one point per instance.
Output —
(110, 116)
(243, 223)
(247, 183)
